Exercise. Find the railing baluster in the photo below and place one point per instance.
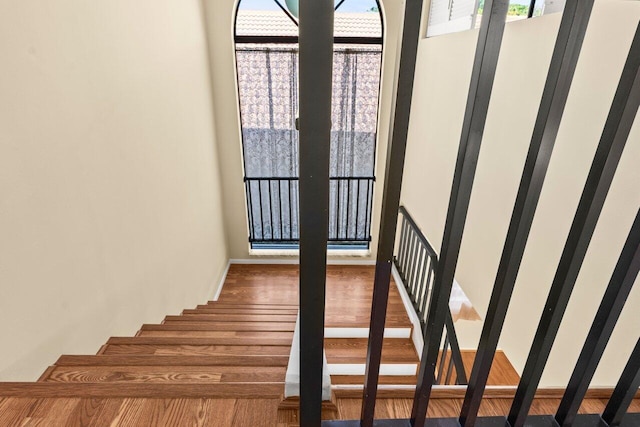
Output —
(280, 209)
(252, 231)
(416, 261)
(625, 390)
(606, 159)
(456, 356)
(554, 97)
(422, 288)
(422, 260)
(413, 259)
(482, 76)
(416, 267)
(625, 106)
(428, 287)
(405, 252)
(391, 201)
(422, 255)
(272, 223)
(338, 209)
(357, 206)
(261, 211)
(290, 212)
(447, 378)
(443, 357)
(315, 81)
(403, 236)
(346, 230)
(368, 217)
(622, 280)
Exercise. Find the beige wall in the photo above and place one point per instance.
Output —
(444, 68)
(110, 198)
(220, 19)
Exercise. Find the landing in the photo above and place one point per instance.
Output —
(348, 300)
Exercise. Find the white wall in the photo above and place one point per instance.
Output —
(110, 207)
(444, 68)
(220, 20)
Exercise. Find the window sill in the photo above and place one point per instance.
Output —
(356, 253)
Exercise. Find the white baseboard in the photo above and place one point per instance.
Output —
(394, 369)
(221, 283)
(296, 261)
(364, 332)
(416, 335)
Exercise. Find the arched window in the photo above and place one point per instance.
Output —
(267, 66)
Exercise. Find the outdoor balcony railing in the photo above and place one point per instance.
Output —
(272, 203)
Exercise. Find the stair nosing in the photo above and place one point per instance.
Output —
(149, 390)
(152, 360)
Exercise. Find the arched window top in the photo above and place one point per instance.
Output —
(270, 18)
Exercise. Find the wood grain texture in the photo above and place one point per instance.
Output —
(214, 309)
(13, 411)
(219, 365)
(502, 371)
(54, 412)
(103, 390)
(401, 408)
(491, 392)
(198, 350)
(348, 299)
(216, 334)
(231, 341)
(354, 350)
(258, 318)
(169, 374)
(46, 373)
(145, 360)
(174, 325)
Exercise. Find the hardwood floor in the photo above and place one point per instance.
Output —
(223, 364)
(52, 412)
(348, 298)
(447, 407)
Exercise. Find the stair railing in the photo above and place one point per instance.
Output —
(621, 117)
(416, 262)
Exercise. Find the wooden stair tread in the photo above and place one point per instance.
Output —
(105, 390)
(198, 350)
(181, 333)
(217, 326)
(241, 305)
(216, 310)
(502, 372)
(232, 318)
(364, 321)
(167, 374)
(145, 360)
(199, 341)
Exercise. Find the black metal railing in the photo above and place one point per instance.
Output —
(416, 262)
(272, 203)
(620, 120)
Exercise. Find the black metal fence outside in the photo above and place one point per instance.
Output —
(272, 203)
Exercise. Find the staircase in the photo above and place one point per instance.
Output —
(224, 362)
(227, 346)
(235, 349)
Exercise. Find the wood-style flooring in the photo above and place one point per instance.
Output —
(348, 295)
(223, 364)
